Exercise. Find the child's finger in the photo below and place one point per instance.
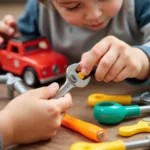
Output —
(122, 75)
(91, 58)
(106, 63)
(115, 69)
(45, 92)
(64, 103)
(10, 20)
(5, 29)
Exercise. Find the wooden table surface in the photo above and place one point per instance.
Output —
(66, 137)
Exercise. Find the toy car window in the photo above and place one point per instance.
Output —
(15, 49)
(38, 46)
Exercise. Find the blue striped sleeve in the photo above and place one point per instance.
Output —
(142, 15)
(142, 12)
(28, 23)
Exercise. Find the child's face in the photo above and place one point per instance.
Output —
(92, 14)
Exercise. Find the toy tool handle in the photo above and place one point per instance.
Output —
(116, 145)
(89, 130)
(93, 99)
(142, 126)
(112, 113)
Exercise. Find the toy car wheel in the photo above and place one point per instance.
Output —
(30, 77)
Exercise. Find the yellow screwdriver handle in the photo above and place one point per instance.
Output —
(93, 99)
(115, 145)
(142, 126)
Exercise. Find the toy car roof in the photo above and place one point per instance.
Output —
(27, 39)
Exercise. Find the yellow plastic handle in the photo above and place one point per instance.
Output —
(93, 99)
(115, 145)
(142, 126)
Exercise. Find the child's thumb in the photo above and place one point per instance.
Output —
(48, 92)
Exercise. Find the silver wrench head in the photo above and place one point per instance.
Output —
(145, 98)
(73, 77)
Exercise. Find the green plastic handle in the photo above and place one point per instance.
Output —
(112, 113)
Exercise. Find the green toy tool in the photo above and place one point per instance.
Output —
(112, 113)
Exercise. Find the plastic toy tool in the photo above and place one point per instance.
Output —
(73, 79)
(89, 130)
(141, 126)
(13, 83)
(115, 145)
(143, 98)
(112, 113)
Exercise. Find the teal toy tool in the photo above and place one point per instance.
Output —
(112, 113)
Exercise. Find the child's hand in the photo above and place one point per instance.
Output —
(115, 61)
(31, 117)
(8, 28)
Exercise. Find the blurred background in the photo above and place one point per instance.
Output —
(14, 7)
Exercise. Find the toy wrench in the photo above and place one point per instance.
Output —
(140, 127)
(143, 98)
(73, 79)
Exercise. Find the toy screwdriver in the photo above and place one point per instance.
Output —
(89, 130)
(141, 126)
(112, 113)
(143, 98)
(115, 145)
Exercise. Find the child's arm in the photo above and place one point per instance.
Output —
(28, 22)
(33, 116)
(8, 28)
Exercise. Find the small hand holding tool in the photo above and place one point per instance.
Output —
(89, 130)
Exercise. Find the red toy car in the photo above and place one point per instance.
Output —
(33, 60)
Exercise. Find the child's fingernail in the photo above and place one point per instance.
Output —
(54, 85)
(98, 79)
(84, 71)
(10, 31)
(105, 80)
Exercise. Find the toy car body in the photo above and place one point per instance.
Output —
(33, 60)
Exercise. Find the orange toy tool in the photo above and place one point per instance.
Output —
(88, 130)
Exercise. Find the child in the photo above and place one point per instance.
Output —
(113, 35)
(31, 117)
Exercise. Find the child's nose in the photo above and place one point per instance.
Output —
(94, 15)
